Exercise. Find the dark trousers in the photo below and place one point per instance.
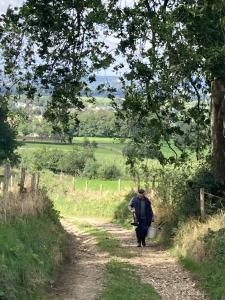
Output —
(141, 231)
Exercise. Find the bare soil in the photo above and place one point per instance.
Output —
(82, 277)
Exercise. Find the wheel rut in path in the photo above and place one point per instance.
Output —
(82, 277)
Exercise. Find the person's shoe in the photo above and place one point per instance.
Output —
(139, 244)
(143, 243)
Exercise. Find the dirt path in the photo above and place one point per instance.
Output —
(156, 267)
(82, 278)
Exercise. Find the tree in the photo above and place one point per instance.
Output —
(7, 135)
(175, 52)
(53, 46)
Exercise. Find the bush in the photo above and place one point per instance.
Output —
(94, 144)
(110, 172)
(180, 188)
(41, 159)
(74, 162)
(86, 143)
(91, 170)
(70, 162)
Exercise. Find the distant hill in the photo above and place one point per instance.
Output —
(113, 81)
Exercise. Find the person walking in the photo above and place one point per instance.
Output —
(141, 206)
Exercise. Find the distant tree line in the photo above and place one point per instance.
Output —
(78, 162)
(100, 123)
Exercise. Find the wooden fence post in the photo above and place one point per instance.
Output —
(22, 180)
(33, 182)
(38, 181)
(74, 188)
(101, 188)
(119, 185)
(6, 178)
(202, 203)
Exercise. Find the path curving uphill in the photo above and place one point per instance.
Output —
(82, 278)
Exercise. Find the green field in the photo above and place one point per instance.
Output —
(109, 151)
(107, 148)
(103, 185)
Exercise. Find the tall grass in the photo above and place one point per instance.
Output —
(15, 204)
(29, 202)
(32, 242)
(190, 240)
(201, 248)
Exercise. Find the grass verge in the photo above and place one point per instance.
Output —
(122, 283)
(31, 250)
(210, 275)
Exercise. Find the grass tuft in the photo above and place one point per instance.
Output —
(106, 241)
(122, 283)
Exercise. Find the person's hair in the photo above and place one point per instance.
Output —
(141, 191)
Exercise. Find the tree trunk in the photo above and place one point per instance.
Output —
(217, 129)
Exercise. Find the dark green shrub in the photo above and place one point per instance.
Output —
(86, 143)
(110, 172)
(91, 169)
(70, 162)
(74, 162)
(94, 144)
(180, 188)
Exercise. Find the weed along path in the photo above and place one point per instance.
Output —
(107, 265)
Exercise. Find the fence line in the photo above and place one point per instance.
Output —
(20, 194)
(100, 186)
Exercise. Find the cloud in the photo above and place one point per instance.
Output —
(5, 4)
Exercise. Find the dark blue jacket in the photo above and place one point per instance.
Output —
(136, 204)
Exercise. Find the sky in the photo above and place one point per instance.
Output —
(5, 3)
(110, 40)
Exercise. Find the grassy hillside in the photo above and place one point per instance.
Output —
(32, 249)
